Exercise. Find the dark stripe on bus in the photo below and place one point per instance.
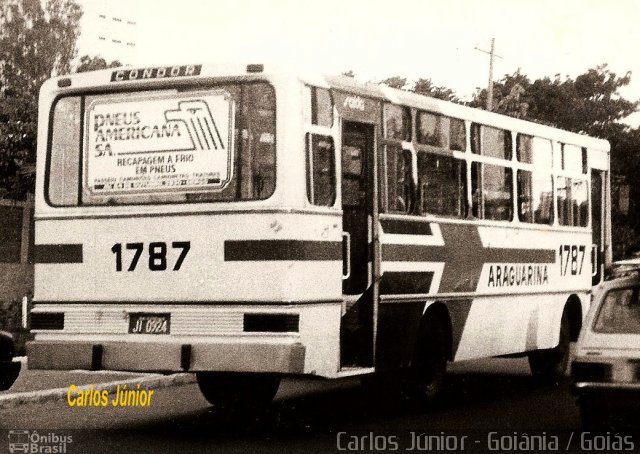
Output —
(421, 253)
(58, 253)
(405, 282)
(406, 227)
(269, 250)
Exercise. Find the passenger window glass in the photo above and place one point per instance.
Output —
(321, 107)
(490, 141)
(397, 122)
(432, 129)
(399, 180)
(619, 313)
(442, 183)
(535, 197)
(572, 158)
(492, 192)
(572, 197)
(65, 151)
(321, 178)
(534, 150)
(457, 135)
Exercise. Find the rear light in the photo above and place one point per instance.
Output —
(47, 320)
(64, 82)
(271, 323)
(591, 372)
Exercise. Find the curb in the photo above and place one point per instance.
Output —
(47, 395)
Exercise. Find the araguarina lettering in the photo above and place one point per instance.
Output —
(517, 275)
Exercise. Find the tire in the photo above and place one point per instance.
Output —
(229, 391)
(550, 366)
(428, 369)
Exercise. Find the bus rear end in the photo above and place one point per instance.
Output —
(169, 236)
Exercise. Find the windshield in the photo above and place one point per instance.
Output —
(619, 313)
(204, 144)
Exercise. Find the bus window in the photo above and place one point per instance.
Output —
(572, 158)
(535, 197)
(63, 172)
(432, 129)
(492, 192)
(489, 141)
(442, 184)
(534, 150)
(573, 202)
(122, 166)
(457, 135)
(321, 107)
(399, 180)
(397, 122)
(321, 178)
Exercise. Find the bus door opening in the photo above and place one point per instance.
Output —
(357, 206)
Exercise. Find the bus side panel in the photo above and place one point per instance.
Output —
(505, 287)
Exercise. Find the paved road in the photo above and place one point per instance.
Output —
(313, 416)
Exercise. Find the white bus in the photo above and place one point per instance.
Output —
(246, 224)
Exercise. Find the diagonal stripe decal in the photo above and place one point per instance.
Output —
(463, 255)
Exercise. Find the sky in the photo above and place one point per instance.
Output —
(378, 39)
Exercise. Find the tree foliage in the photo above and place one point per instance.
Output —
(591, 103)
(37, 41)
(94, 63)
(422, 86)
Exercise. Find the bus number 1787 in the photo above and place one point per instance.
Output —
(571, 259)
(157, 254)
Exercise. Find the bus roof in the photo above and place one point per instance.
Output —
(151, 75)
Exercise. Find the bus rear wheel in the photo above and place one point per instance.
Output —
(429, 366)
(231, 391)
(550, 366)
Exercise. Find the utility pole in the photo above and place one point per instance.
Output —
(492, 55)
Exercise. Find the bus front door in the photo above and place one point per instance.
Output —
(356, 336)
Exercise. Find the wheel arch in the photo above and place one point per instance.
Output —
(573, 306)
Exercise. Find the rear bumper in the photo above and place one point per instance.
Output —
(284, 358)
(609, 394)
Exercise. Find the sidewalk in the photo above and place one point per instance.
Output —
(34, 386)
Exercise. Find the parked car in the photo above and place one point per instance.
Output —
(606, 367)
(9, 367)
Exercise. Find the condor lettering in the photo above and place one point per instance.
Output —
(161, 72)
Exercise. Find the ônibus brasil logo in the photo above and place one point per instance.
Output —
(32, 442)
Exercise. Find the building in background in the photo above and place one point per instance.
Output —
(109, 30)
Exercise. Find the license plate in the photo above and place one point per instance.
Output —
(149, 323)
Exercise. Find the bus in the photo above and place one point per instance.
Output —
(247, 223)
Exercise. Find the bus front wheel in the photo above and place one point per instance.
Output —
(230, 391)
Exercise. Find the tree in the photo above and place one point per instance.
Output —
(94, 63)
(395, 82)
(426, 87)
(590, 104)
(36, 42)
